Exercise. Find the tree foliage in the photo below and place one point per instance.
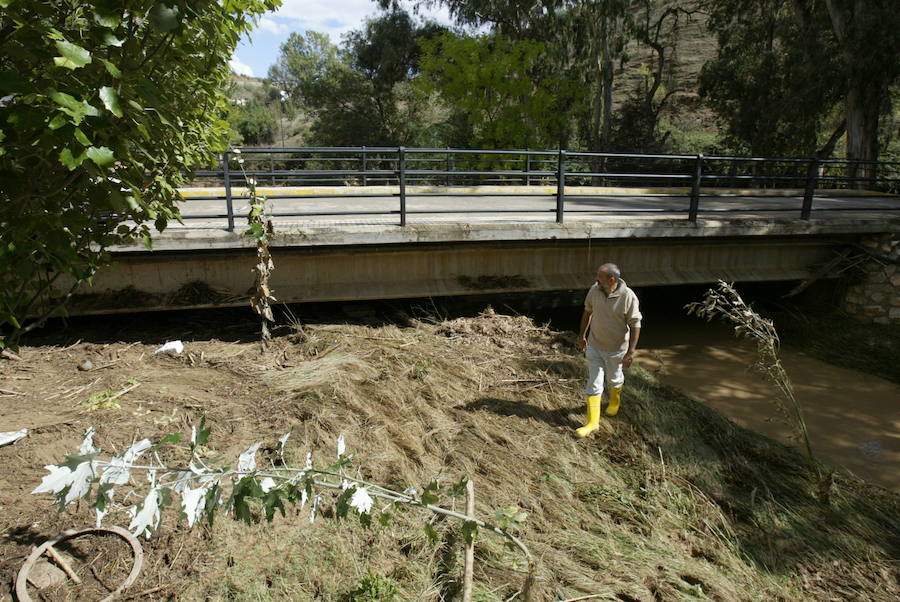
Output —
(105, 105)
(792, 75)
(361, 93)
(501, 88)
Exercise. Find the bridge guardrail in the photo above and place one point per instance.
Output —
(699, 176)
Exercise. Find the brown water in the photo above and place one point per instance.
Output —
(853, 418)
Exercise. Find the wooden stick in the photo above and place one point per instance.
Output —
(470, 547)
(63, 564)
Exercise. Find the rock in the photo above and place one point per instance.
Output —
(44, 575)
(86, 365)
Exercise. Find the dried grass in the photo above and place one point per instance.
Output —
(671, 501)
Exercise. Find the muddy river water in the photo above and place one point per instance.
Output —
(853, 418)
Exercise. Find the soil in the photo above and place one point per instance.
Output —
(492, 396)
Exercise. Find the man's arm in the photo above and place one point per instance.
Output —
(582, 332)
(634, 335)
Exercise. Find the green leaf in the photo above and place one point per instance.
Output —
(384, 519)
(111, 69)
(109, 39)
(101, 155)
(70, 160)
(111, 100)
(79, 135)
(173, 438)
(73, 55)
(107, 19)
(203, 432)
(430, 533)
(163, 19)
(272, 501)
(342, 505)
(58, 121)
(429, 495)
(459, 488)
(76, 109)
(469, 529)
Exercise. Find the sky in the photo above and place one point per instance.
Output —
(258, 51)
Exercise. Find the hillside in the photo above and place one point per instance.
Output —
(670, 502)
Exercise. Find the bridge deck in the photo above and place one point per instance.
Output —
(337, 216)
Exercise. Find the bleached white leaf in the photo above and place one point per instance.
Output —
(146, 518)
(78, 481)
(8, 437)
(247, 460)
(193, 435)
(192, 503)
(100, 515)
(117, 471)
(87, 446)
(267, 484)
(308, 461)
(314, 509)
(304, 497)
(341, 446)
(282, 441)
(59, 478)
(361, 500)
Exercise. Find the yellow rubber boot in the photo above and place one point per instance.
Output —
(613, 408)
(593, 417)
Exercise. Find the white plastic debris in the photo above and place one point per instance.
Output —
(173, 346)
(12, 436)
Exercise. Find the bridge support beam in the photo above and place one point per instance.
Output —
(169, 280)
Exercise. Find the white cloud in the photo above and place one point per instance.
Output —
(272, 26)
(337, 17)
(240, 68)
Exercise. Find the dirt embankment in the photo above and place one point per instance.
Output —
(669, 501)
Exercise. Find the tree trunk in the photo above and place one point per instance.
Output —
(862, 109)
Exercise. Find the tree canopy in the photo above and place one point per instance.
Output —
(105, 106)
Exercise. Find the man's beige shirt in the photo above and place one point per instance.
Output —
(611, 316)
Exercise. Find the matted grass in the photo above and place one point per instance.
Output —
(669, 501)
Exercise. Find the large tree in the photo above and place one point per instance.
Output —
(499, 87)
(105, 107)
(360, 93)
(791, 76)
(775, 81)
(868, 39)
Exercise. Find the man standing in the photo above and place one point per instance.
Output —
(610, 328)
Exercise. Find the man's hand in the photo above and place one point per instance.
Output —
(626, 361)
(582, 343)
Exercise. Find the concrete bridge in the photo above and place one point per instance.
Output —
(347, 243)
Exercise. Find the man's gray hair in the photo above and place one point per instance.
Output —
(611, 269)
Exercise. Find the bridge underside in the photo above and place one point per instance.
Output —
(170, 279)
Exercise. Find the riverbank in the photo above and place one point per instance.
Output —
(671, 500)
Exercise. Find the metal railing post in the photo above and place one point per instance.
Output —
(528, 170)
(695, 189)
(272, 168)
(401, 153)
(812, 170)
(363, 159)
(449, 166)
(229, 203)
(560, 186)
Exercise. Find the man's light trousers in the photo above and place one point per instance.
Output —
(604, 370)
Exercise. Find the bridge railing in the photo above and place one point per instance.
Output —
(360, 172)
